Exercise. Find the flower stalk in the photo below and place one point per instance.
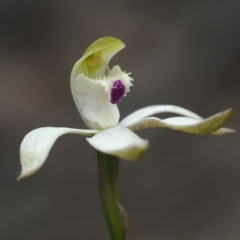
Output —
(115, 215)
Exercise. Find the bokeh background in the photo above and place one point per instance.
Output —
(180, 52)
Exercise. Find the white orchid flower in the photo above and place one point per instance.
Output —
(96, 89)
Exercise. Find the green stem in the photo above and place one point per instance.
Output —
(115, 215)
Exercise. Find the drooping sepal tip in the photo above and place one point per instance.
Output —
(25, 174)
(223, 131)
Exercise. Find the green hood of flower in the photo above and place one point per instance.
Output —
(95, 59)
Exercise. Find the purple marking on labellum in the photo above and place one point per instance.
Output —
(118, 91)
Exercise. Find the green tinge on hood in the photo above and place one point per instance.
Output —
(106, 48)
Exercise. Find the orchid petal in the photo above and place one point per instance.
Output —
(37, 144)
(93, 103)
(155, 109)
(119, 141)
(185, 124)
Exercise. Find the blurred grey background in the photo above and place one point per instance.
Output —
(180, 52)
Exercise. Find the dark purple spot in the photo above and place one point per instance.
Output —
(118, 91)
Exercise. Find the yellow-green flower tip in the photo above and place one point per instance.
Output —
(95, 59)
(213, 124)
(108, 46)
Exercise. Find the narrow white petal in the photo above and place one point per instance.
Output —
(93, 104)
(155, 109)
(37, 144)
(212, 124)
(119, 141)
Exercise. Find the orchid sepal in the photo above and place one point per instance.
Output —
(103, 49)
(209, 125)
(156, 109)
(37, 144)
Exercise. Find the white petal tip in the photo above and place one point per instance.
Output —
(135, 153)
(223, 131)
(27, 173)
